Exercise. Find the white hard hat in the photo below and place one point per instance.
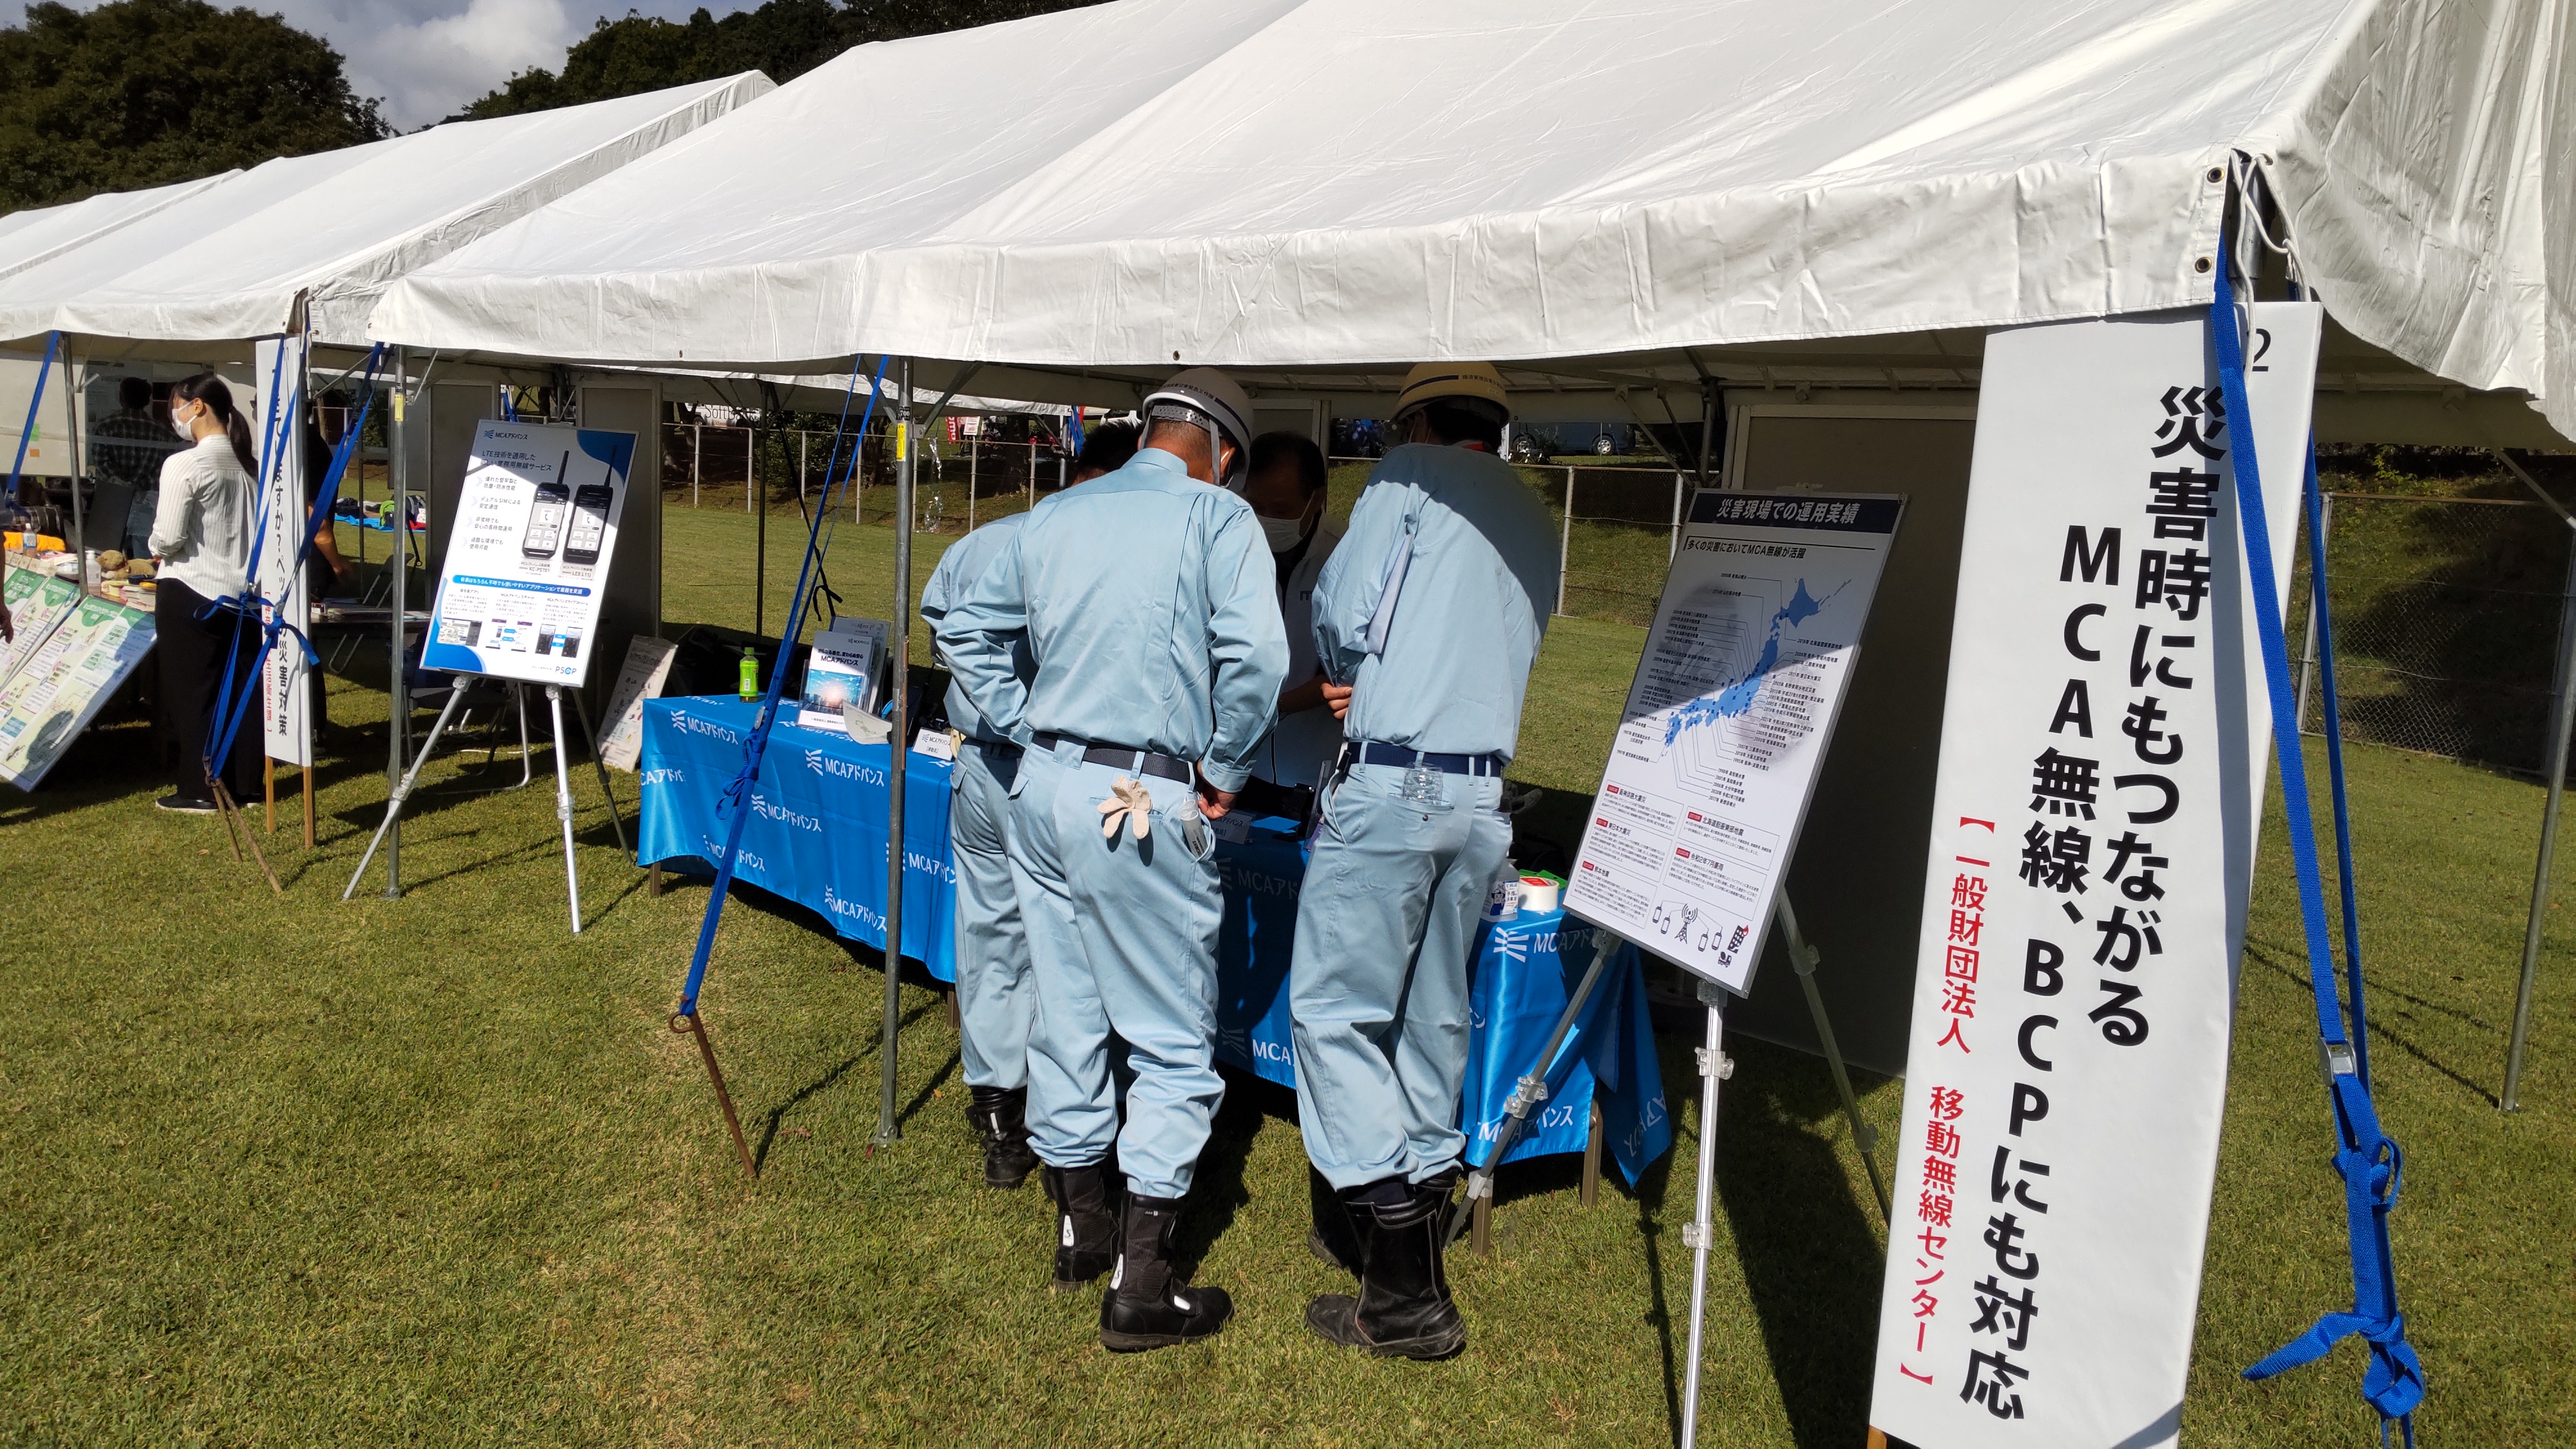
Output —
(1214, 401)
(1476, 382)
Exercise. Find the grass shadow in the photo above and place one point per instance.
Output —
(1811, 1259)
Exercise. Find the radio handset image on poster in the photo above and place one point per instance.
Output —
(545, 516)
(589, 522)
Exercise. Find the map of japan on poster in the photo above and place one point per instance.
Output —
(1727, 723)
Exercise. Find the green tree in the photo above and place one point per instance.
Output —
(782, 38)
(144, 92)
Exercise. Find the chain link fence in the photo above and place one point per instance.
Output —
(2446, 618)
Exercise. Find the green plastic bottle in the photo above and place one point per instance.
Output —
(750, 676)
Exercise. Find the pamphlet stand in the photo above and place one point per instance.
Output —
(563, 792)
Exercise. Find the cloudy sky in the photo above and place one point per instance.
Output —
(428, 57)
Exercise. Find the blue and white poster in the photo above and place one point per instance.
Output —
(1727, 723)
(536, 526)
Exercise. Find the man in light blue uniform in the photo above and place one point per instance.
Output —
(1427, 620)
(1146, 599)
(996, 999)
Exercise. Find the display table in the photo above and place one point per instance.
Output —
(817, 836)
(817, 833)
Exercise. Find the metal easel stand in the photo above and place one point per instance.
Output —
(1699, 1232)
(1804, 958)
(1531, 1089)
(401, 792)
(563, 792)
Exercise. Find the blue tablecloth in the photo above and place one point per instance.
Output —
(1523, 972)
(817, 836)
(817, 830)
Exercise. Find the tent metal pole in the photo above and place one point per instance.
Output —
(72, 422)
(760, 539)
(398, 513)
(1697, 1233)
(898, 745)
(2562, 718)
(1565, 541)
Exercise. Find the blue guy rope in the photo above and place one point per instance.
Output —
(2365, 1157)
(2334, 762)
(35, 400)
(738, 794)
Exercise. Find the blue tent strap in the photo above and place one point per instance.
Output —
(2367, 1160)
(231, 709)
(739, 792)
(27, 434)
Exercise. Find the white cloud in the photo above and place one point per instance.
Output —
(427, 58)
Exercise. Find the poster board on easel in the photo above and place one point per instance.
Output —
(521, 586)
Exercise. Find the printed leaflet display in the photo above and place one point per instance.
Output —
(536, 524)
(1727, 723)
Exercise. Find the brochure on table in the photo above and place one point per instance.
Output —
(56, 690)
(841, 673)
(1727, 723)
(536, 526)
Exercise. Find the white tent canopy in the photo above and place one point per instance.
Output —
(228, 261)
(31, 237)
(1268, 183)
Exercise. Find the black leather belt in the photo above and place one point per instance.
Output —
(1369, 752)
(1142, 762)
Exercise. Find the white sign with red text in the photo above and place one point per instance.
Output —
(2102, 757)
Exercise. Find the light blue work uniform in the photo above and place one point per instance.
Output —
(1148, 602)
(997, 994)
(1396, 883)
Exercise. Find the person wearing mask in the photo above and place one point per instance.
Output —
(1286, 489)
(996, 1000)
(1146, 603)
(201, 533)
(1427, 620)
(127, 447)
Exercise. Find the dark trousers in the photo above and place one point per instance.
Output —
(192, 653)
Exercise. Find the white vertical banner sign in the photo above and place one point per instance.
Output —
(277, 429)
(2102, 767)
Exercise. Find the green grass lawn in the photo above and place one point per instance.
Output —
(431, 1170)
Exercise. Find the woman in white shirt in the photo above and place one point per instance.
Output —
(201, 533)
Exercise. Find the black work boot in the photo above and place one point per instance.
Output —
(1403, 1308)
(1001, 1114)
(1086, 1223)
(1333, 1239)
(1149, 1304)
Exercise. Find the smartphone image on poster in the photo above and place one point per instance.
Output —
(545, 521)
(589, 522)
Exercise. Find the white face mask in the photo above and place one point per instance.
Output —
(1283, 533)
(187, 433)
